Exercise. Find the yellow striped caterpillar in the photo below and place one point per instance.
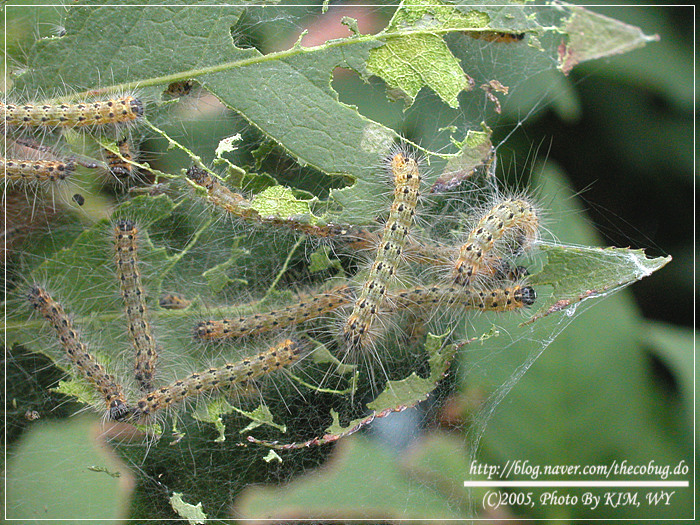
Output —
(35, 171)
(226, 376)
(311, 308)
(492, 299)
(72, 115)
(134, 297)
(496, 299)
(515, 218)
(87, 365)
(357, 328)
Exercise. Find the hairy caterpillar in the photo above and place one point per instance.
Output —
(174, 301)
(81, 114)
(496, 36)
(126, 256)
(497, 299)
(230, 374)
(87, 365)
(311, 308)
(510, 216)
(238, 206)
(406, 177)
(31, 171)
(35, 149)
(120, 165)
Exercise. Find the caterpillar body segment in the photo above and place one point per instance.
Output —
(26, 171)
(311, 308)
(496, 299)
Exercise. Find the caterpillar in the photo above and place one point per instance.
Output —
(33, 171)
(357, 327)
(311, 308)
(82, 114)
(497, 299)
(230, 374)
(220, 195)
(173, 301)
(510, 216)
(496, 36)
(133, 295)
(238, 206)
(120, 165)
(35, 149)
(87, 365)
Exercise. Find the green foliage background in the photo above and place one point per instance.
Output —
(616, 384)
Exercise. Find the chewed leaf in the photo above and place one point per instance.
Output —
(418, 56)
(396, 397)
(280, 202)
(411, 390)
(592, 35)
(218, 277)
(132, 54)
(212, 412)
(577, 273)
(475, 150)
(192, 513)
(260, 416)
(287, 95)
(406, 71)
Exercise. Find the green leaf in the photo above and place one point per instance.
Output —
(578, 273)
(279, 201)
(260, 416)
(412, 389)
(406, 71)
(594, 36)
(131, 41)
(217, 276)
(192, 513)
(49, 475)
(79, 389)
(360, 468)
(320, 260)
(212, 412)
(475, 150)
